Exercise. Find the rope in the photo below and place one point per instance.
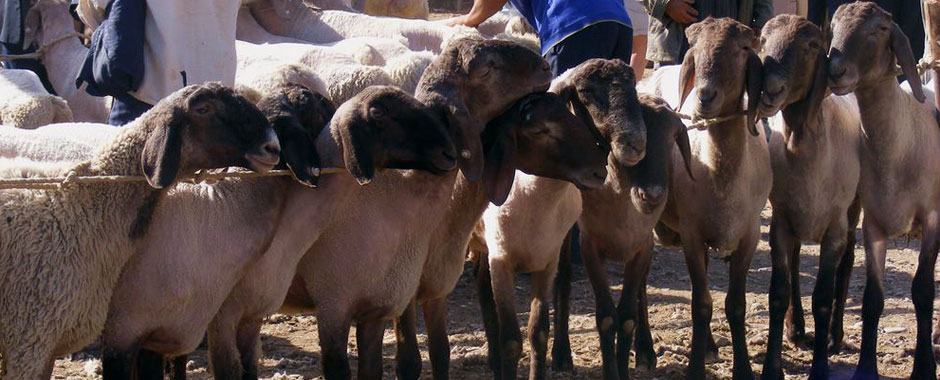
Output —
(706, 123)
(38, 53)
(51, 183)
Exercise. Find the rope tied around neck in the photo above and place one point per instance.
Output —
(72, 178)
(703, 124)
(38, 53)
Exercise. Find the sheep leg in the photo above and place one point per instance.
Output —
(178, 367)
(645, 352)
(150, 365)
(116, 363)
(843, 275)
(736, 302)
(224, 358)
(334, 334)
(510, 336)
(435, 321)
(832, 247)
(20, 361)
(781, 244)
(627, 309)
(561, 346)
(249, 347)
(490, 319)
(369, 339)
(795, 320)
(696, 257)
(922, 293)
(539, 323)
(407, 356)
(606, 312)
(873, 302)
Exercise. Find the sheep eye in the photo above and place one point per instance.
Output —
(203, 109)
(376, 112)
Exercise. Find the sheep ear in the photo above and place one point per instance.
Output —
(685, 148)
(902, 50)
(686, 77)
(500, 168)
(357, 149)
(63, 114)
(471, 160)
(299, 151)
(753, 83)
(798, 112)
(31, 27)
(160, 158)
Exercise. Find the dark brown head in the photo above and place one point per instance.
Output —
(865, 44)
(650, 177)
(297, 115)
(384, 127)
(205, 126)
(472, 82)
(539, 136)
(795, 67)
(602, 93)
(721, 64)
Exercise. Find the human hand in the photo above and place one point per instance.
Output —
(681, 11)
(456, 20)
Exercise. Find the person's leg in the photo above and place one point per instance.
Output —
(638, 58)
(126, 108)
(595, 41)
(639, 20)
(26, 64)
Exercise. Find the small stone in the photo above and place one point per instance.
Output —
(895, 329)
(722, 341)
(93, 367)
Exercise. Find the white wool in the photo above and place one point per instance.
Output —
(25, 103)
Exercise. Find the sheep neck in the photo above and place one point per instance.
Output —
(727, 149)
(882, 135)
(330, 148)
(812, 141)
(467, 203)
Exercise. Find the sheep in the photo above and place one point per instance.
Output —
(721, 208)
(24, 102)
(56, 142)
(814, 155)
(294, 19)
(266, 79)
(80, 236)
(443, 268)
(617, 223)
(413, 9)
(47, 22)
(231, 227)
(472, 80)
(899, 137)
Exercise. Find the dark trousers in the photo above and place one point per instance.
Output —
(26, 64)
(125, 109)
(607, 39)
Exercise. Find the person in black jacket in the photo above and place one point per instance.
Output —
(12, 17)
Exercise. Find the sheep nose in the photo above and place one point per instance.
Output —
(271, 147)
(546, 66)
(653, 195)
(774, 86)
(837, 68)
(707, 95)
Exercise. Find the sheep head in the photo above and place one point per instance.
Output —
(602, 93)
(721, 64)
(865, 44)
(383, 126)
(472, 82)
(205, 126)
(298, 115)
(650, 177)
(791, 48)
(538, 135)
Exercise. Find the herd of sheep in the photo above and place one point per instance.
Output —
(458, 144)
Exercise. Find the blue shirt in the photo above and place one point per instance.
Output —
(555, 20)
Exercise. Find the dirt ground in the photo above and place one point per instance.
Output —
(291, 347)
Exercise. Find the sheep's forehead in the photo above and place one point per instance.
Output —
(858, 14)
(781, 33)
(602, 71)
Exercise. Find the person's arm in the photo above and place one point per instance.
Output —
(679, 11)
(482, 10)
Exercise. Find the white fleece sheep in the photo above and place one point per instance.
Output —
(62, 250)
(56, 142)
(25, 103)
(294, 19)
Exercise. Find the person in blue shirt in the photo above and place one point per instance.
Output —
(571, 31)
